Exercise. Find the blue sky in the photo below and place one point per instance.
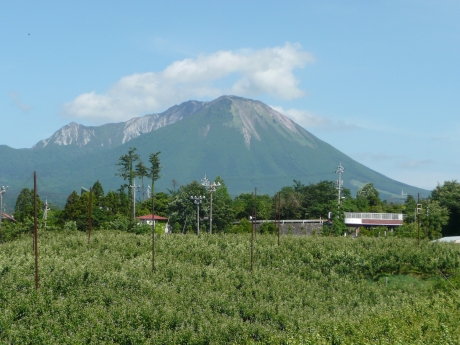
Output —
(378, 80)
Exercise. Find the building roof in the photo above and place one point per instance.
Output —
(453, 239)
(7, 216)
(149, 217)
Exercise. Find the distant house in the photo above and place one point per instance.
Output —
(8, 217)
(147, 219)
(451, 239)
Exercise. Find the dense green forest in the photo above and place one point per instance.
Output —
(436, 216)
(308, 290)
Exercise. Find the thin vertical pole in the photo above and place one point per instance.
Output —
(198, 219)
(210, 215)
(153, 229)
(255, 211)
(278, 213)
(252, 237)
(90, 218)
(418, 220)
(35, 231)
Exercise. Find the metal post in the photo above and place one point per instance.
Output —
(134, 199)
(3, 189)
(197, 200)
(211, 186)
(279, 216)
(418, 218)
(35, 231)
(90, 218)
(339, 171)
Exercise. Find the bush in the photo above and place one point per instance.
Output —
(244, 226)
(268, 228)
(71, 225)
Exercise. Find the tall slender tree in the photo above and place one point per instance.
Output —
(142, 171)
(126, 170)
(154, 174)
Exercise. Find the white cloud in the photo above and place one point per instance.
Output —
(18, 103)
(309, 120)
(262, 72)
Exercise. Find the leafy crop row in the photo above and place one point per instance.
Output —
(310, 290)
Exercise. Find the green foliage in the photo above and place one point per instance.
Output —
(24, 207)
(368, 199)
(310, 290)
(268, 228)
(244, 226)
(70, 225)
(222, 210)
(448, 196)
(246, 203)
(316, 199)
(182, 208)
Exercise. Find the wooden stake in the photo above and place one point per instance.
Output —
(90, 218)
(35, 231)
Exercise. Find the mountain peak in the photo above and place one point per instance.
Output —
(250, 117)
(114, 134)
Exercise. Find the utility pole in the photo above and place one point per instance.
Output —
(403, 196)
(3, 190)
(339, 171)
(134, 199)
(35, 231)
(45, 212)
(279, 215)
(427, 222)
(211, 186)
(419, 210)
(197, 200)
(253, 219)
(90, 218)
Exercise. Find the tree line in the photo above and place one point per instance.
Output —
(436, 216)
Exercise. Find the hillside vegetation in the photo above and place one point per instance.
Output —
(310, 290)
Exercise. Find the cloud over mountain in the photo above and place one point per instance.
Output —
(268, 71)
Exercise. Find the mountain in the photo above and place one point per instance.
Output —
(243, 141)
(114, 134)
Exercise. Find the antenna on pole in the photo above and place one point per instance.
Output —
(45, 211)
(134, 198)
(211, 186)
(3, 189)
(339, 171)
(403, 196)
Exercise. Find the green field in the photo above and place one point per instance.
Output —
(310, 290)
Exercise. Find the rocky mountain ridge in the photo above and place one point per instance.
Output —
(114, 134)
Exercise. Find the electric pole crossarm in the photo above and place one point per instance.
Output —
(211, 186)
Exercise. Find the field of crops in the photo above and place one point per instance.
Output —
(310, 290)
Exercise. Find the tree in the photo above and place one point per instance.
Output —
(154, 174)
(183, 210)
(432, 218)
(290, 203)
(448, 196)
(162, 200)
(317, 198)
(142, 171)
(98, 192)
(369, 196)
(246, 203)
(24, 207)
(222, 212)
(126, 170)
